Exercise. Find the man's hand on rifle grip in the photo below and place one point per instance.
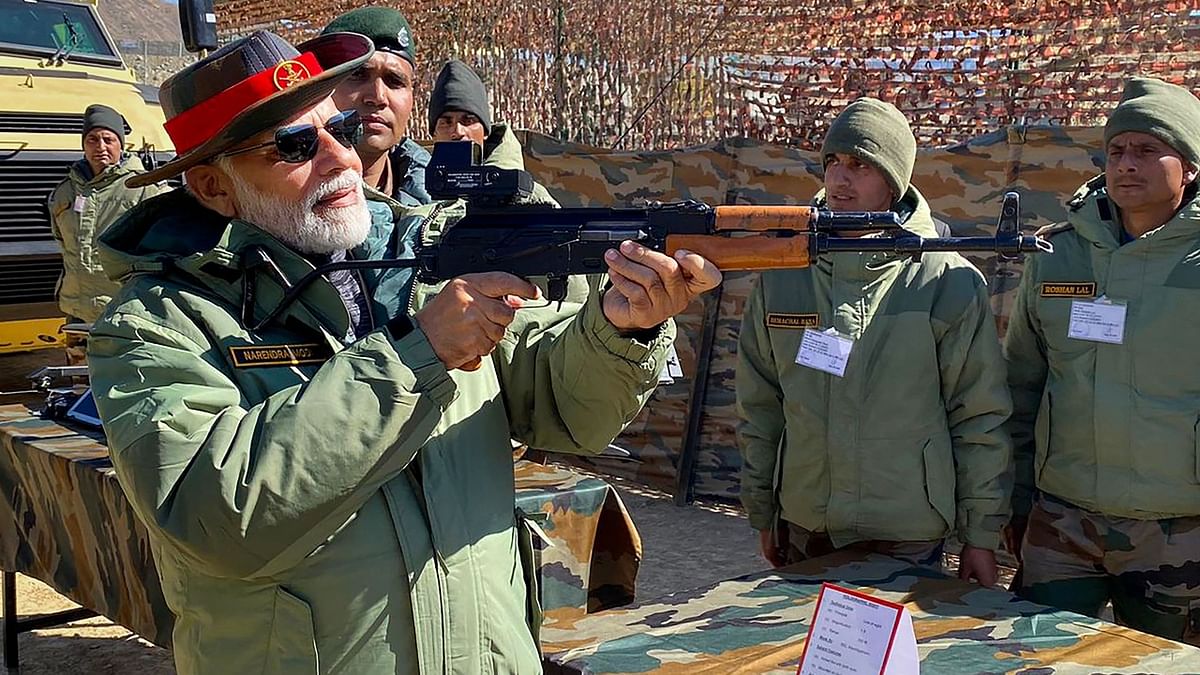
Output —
(468, 317)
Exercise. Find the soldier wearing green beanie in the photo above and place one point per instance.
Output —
(1102, 363)
(381, 90)
(900, 444)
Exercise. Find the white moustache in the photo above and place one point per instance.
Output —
(346, 180)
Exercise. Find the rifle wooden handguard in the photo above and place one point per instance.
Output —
(745, 253)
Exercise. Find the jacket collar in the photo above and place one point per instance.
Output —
(1097, 219)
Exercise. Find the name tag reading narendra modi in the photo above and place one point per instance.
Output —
(279, 355)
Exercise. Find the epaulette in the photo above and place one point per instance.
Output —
(1054, 228)
(1080, 197)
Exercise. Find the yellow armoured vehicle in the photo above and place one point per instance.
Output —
(56, 58)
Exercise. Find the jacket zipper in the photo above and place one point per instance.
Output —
(443, 569)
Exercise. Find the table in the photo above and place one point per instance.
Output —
(64, 520)
(757, 624)
(592, 562)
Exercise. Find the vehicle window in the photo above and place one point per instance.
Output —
(52, 26)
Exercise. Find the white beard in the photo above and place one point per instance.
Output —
(297, 224)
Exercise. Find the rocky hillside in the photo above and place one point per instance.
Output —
(153, 20)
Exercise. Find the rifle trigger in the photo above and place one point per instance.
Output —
(556, 289)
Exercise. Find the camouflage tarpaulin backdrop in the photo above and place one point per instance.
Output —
(964, 183)
(631, 74)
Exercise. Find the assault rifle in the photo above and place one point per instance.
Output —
(499, 234)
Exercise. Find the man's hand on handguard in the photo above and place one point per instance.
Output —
(467, 318)
(649, 287)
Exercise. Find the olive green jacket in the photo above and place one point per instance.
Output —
(80, 210)
(501, 148)
(909, 444)
(317, 507)
(1111, 428)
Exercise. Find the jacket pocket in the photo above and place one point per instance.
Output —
(1041, 438)
(939, 478)
(527, 529)
(293, 643)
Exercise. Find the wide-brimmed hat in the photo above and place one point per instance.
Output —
(247, 87)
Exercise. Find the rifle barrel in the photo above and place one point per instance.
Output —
(915, 244)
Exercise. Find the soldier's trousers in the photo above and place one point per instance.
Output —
(1150, 569)
(804, 544)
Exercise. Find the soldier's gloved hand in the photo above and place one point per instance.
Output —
(467, 318)
(649, 287)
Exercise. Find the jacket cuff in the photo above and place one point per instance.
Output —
(980, 538)
(429, 373)
(761, 521)
(649, 345)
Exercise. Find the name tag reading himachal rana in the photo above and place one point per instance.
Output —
(827, 351)
(1099, 321)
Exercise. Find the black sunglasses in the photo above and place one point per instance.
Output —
(298, 144)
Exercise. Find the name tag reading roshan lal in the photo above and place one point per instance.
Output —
(1099, 321)
(827, 351)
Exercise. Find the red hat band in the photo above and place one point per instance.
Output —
(192, 127)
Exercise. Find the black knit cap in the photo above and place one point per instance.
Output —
(99, 116)
(459, 88)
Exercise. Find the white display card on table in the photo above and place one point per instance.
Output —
(854, 633)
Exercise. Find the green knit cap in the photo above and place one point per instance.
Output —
(1161, 109)
(386, 27)
(878, 134)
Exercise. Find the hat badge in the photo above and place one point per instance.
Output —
(402, 38)
(288, 73)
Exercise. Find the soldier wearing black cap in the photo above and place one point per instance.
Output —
(91, 198)
(381, 90)
(459, 110)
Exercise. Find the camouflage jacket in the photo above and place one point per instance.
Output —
(1109, 427)
(408, 163)
(501, 148)
(80, 209)
(321, 507)
(909, 444)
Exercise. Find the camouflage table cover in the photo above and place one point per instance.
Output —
(64, 520)
(592, 561)
(757, 624)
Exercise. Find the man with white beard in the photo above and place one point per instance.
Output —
(329, 488)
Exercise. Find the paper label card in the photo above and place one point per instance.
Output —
(1099, 321)
(80, 204)
(856, 634)
(827, 351)
(671, 369)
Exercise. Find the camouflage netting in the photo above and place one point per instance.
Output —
(777, 70)
(758, 81)
(964, 184)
